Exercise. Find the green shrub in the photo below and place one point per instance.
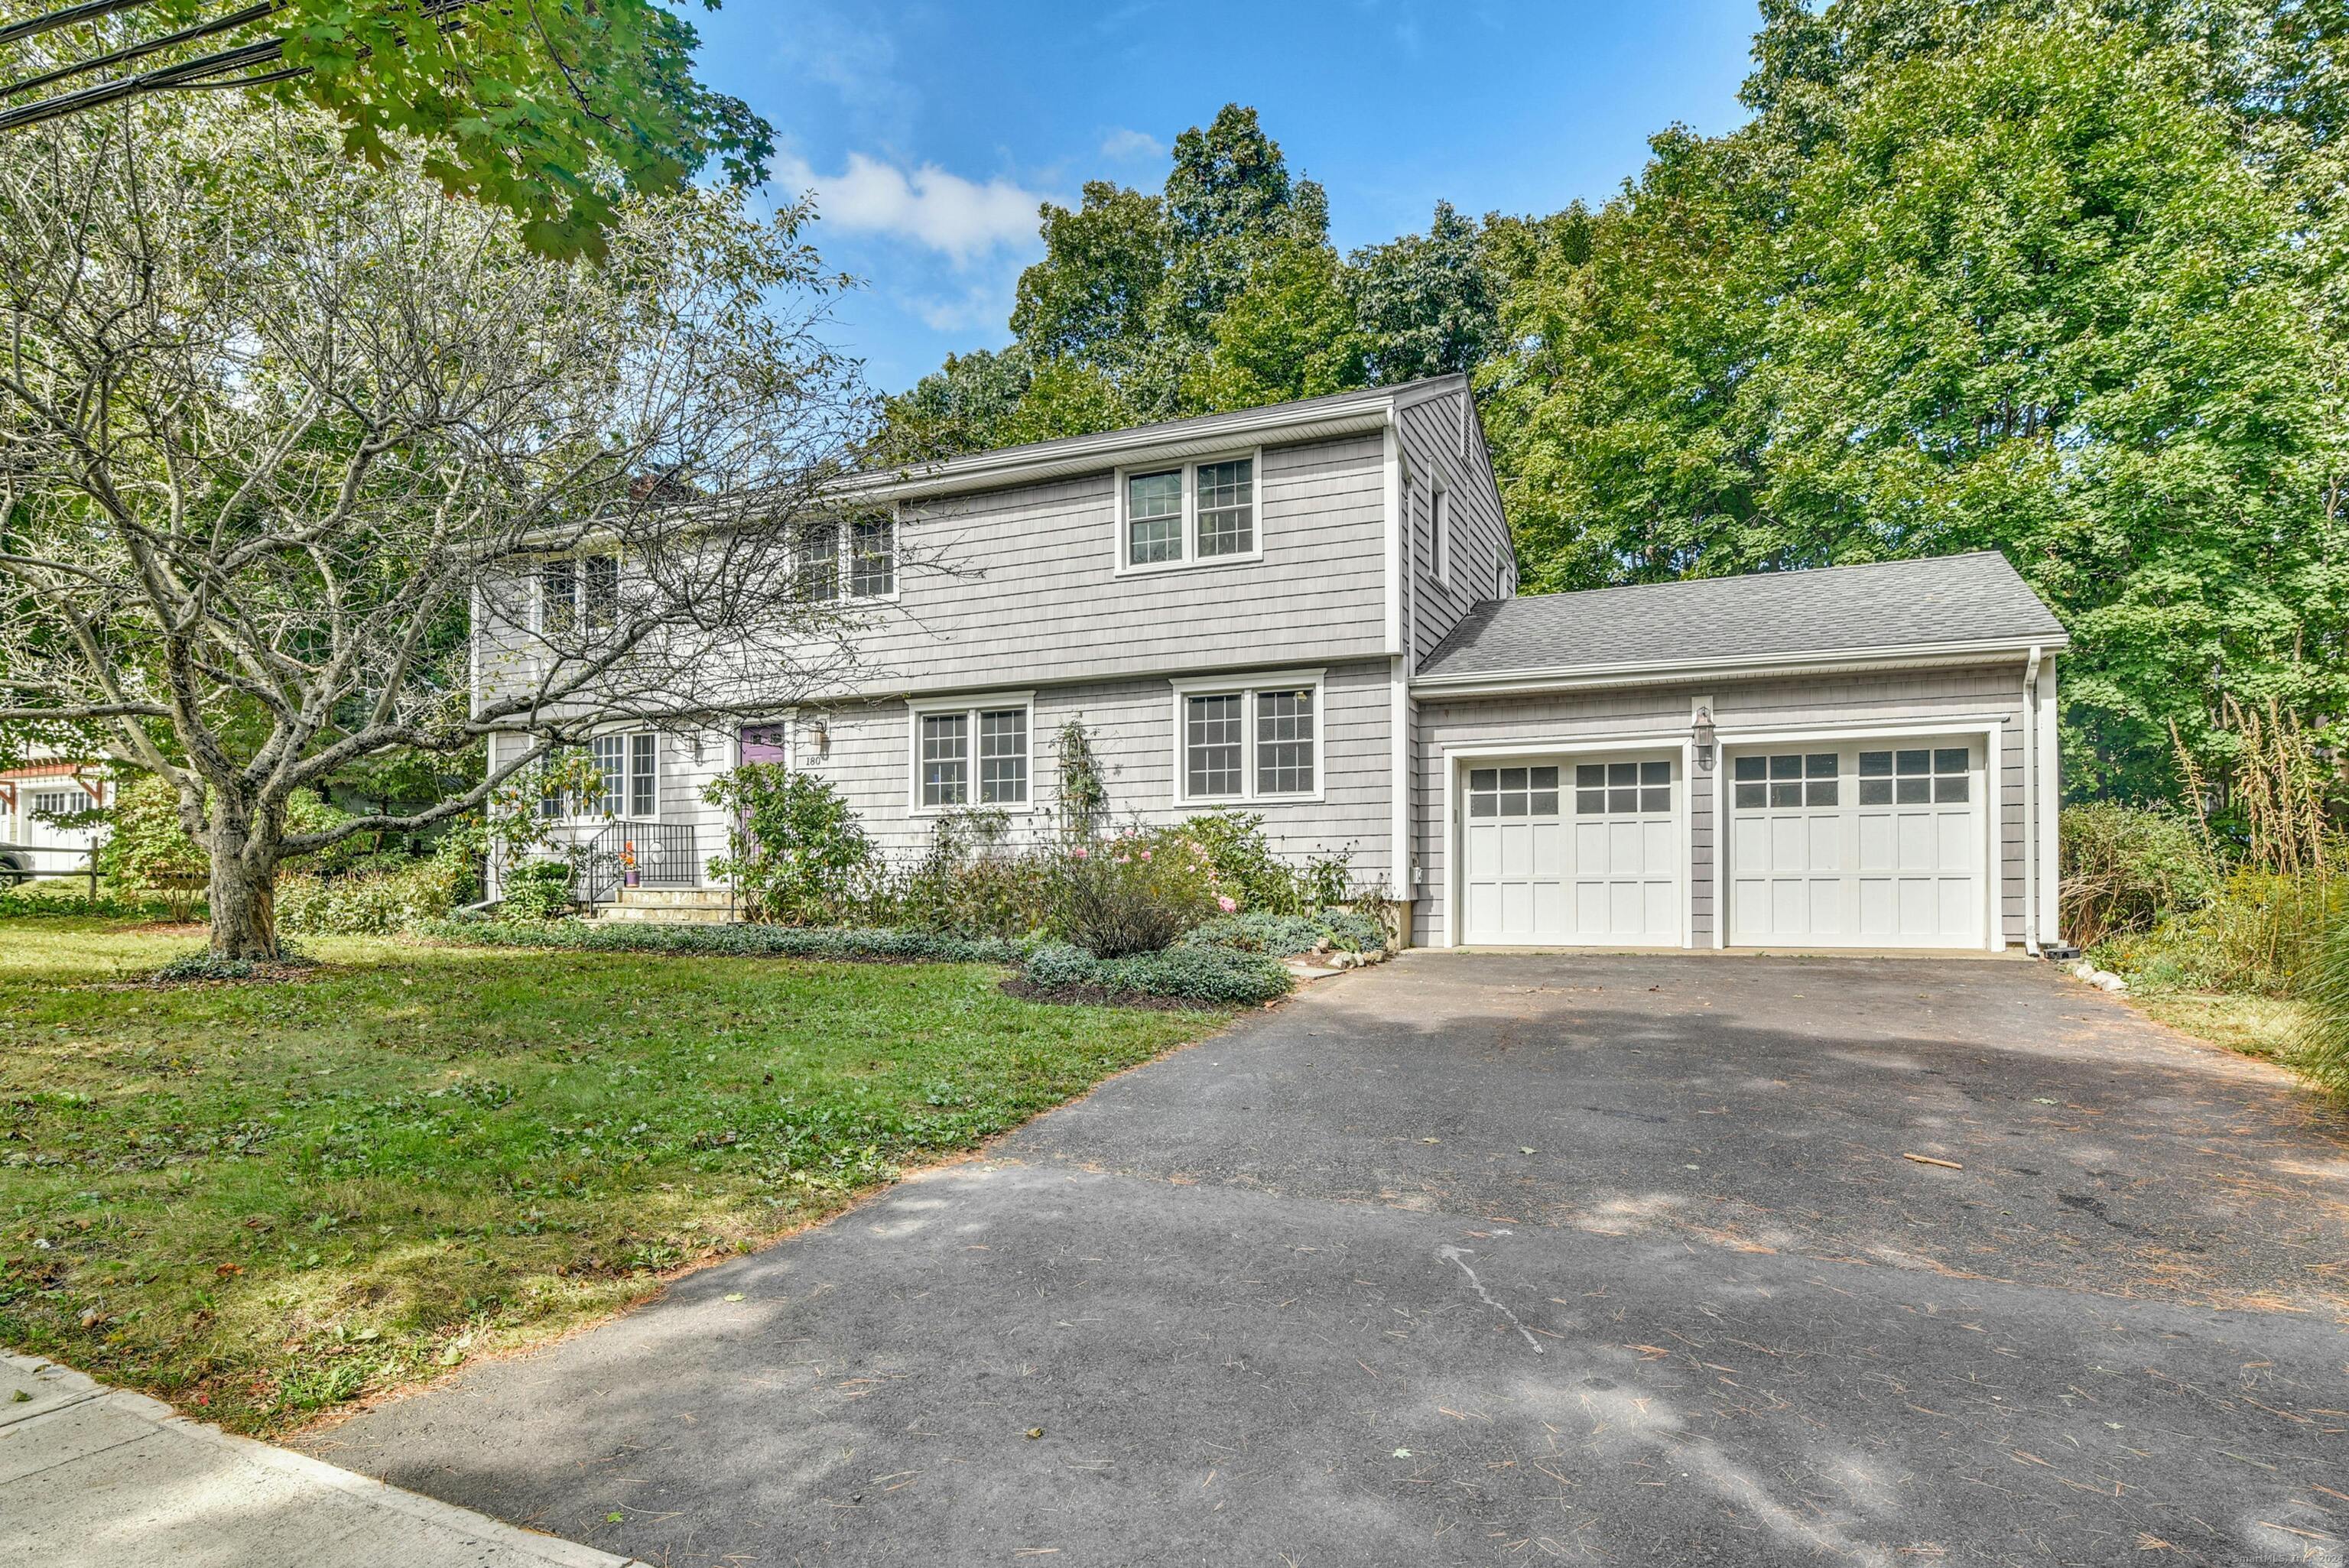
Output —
(733, 941)
(537, 891)
(1248, 871)
(1135, 893)
(374, 899)
(793, 850)
(2128, 868)
(1254, 931)
(2259, 933)
(969, 883)
(1214, 977)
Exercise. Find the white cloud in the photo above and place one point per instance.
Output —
(929, 205)
(1123, 144)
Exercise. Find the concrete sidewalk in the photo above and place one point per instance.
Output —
(94, 1475)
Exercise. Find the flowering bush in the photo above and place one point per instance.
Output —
(1134, 893)
(1259, 881)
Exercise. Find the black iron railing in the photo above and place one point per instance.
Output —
(634, 854)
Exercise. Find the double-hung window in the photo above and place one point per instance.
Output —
(972, 754)
(1260, 740)
(1188, 514)
(626, 781)
(860, 555)
(579, 590)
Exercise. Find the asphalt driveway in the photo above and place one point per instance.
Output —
(1475, 1259)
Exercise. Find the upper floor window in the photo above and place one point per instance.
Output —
(972, 756)
(1187, 514)
(863, 556)
(578, 591)
(1254, 741)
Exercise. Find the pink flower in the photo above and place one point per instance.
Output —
(1077, 853)
(1120, 860)
(1146, 854)
(1225, 903)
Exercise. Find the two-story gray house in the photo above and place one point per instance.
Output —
(1309, 611)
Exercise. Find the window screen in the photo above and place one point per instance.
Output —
(1212, 744)
(1227, 507)
(1284, 742)
(818, 563)
(558, 594)
(1153, 518)
(945, 758)
(873, 558)
(1003, 758)
(599, 589)
(644, 774)
(611, 764)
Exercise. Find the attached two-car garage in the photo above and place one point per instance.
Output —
(1876, 842)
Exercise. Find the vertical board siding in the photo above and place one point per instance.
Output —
(1922, 698)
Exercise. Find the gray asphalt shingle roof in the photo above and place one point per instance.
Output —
(1884, 605)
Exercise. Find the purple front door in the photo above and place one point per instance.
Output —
(762, 743)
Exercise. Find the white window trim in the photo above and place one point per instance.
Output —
(917, 708)
(845, 561)
(627, 739)
(1190, 560)
(1245, 688)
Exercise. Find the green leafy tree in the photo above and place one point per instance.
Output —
(1289, 333)
(1425, 304)
(551, 111)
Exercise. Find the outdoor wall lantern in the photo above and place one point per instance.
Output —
(1702, 733)
(821, 732)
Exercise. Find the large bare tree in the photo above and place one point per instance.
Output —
(276, 427)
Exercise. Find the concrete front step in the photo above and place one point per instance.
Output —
(665, 913)
(675, 897)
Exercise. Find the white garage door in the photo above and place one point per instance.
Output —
(1866, 844)
(1564, 851)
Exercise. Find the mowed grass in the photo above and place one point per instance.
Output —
(261, 1199)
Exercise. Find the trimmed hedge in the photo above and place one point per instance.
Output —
(1220, 976)
(733, 940)
(1284, 935)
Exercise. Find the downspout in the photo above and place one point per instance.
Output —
(2031, 803)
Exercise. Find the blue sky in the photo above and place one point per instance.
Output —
(930, 132)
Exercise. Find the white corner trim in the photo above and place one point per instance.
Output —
(1400, 881)
(1391, 508)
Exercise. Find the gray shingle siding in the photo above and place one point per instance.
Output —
(1887, 604)
(1025, 588)
(1441, 443)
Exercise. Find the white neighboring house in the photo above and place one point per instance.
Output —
(1309, 611)
(47, 786)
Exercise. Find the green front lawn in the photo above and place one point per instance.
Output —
(259, 1199)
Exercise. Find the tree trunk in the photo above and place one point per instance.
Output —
(243, 891)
